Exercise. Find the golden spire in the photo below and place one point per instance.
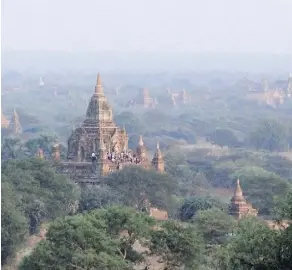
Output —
(98, 87)
(238, 190)
(141, 143)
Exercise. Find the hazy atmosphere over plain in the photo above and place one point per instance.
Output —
(165, 25)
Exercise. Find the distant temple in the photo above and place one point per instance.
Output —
(99, 147)
(238, 206)
(12, 127)
(179, 98)
(4, 121)
(144, 99)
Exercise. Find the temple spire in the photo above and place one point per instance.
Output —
(157, 160)
(141, 143)
(15, 123)
(98, 87)
(238, 190)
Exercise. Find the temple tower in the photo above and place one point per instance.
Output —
(4, 121)
(141, 150)
(98, 122)
(157, 160)
(238, 207)
(15, 124)
(56, 156)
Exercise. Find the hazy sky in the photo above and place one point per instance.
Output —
(148, 25)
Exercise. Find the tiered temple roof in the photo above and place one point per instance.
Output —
(238, 205)
(99, 134)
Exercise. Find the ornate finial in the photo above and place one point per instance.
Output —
(98, 87)
(141, 143)
(157, 145)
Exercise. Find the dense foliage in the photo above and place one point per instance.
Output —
(32, 193)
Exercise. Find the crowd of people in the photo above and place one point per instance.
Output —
(124, 157)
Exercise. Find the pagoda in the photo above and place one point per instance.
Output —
(14, 124)
(99, 137)
(4, 121)
(238, 207)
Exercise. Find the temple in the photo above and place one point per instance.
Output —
(99, 147)
(4, 121)
(144, 99)
(238, 206)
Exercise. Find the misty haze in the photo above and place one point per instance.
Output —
(146, 135)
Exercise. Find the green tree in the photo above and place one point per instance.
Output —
(223, 137)
(13, 222)
(12, 148)
(214, 224)
(91, 241)
(135, 184)
(94, 197)
(44, 194)
(271, 135)
(192, 205)
(254, 246)
(178, 245)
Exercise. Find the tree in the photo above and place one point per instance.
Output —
(254, 246)
(94, 197)
(178, 245)
(214, 224)
(13, 222)
(91, 241)
(136, 184)
(271, 135)
(44, 194)
(223, 137)
(12, 148)
(192, 205)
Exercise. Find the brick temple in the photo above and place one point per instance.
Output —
(99, 135)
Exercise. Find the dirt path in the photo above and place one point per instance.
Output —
(29, 245)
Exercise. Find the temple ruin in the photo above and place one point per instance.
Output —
(99, 138)
(144, 99)
(238, 207)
